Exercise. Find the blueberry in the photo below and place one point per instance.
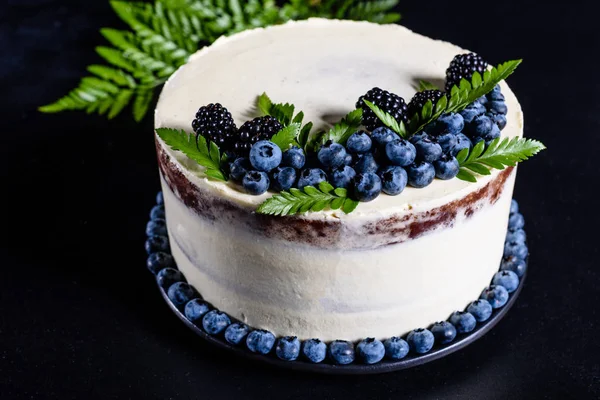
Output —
(157, 243)
(341, 352)
(195, 309)
(332, 155)
(349, 159)
(443, 332)
(498, 119)
(265, 155)
(294, 157)
(156, 227)
(157, 211)
(480, 309)
(395, 348)
(482, 100)
(367, 186)
(236, 333)
(420, 340)
(342, 177)
(514, 207)
(311, 177)
(494, 134)
(516, 249)
(420, 174)
(288, 348)
(450, 123)
(496, 93)
(508, 279)
(480, 126)
(418, 137)
(239, 168)
(159, 260)
(400, 152)
(463, 321)
(260, 341)
(473, 111)
(215, 322)
(447, 141)
(497, 296)
(314, 350)
(516, 221)
(516, 236)
(283, 178)
(497, 107)
(359, 142)
(370, 351)
(446, 167)
(393, 180)
(462, 142)
(159, 198)
(180, 293)
(514, 264)
(366, 163)
(382, 136)
(168, 276)
(256, 182)
(428, 150)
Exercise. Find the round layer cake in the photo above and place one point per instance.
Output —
(394, 264)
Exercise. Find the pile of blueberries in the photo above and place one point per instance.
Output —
(375, 162)
(341, 352)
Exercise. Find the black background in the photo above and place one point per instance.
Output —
(81, 317)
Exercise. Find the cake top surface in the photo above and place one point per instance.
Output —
(322, 67)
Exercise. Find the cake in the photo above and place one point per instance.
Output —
(393, 264)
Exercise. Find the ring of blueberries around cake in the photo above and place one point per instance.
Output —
(338, 352)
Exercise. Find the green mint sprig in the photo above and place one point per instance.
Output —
(461, 96)
(298, 201)
(498, 155)
(163, 34)
(195, 148)
(287, 136)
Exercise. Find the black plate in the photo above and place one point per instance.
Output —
(411, 360)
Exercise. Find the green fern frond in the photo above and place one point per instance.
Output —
(163, 34)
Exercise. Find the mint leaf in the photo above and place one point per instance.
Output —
(286, 137)
(197, 149)
(387, 119)
(304, 134)
(341, 131)
(501, 153)
(309, 199)
(264, 104)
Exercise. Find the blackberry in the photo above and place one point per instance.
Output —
(215, 123)
(464, 66)
(389, 102)
(261, 128)
(421, 98)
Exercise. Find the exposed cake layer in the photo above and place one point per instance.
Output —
(395, 263)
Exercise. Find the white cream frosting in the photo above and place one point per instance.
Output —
(322, 67)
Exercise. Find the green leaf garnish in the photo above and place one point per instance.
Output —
(388, 120)
(286, 137)
(163, 34)
(425, 85)
(341, 131)
(463, 95)
(501, 153)
(195, 148)
(298, 201)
